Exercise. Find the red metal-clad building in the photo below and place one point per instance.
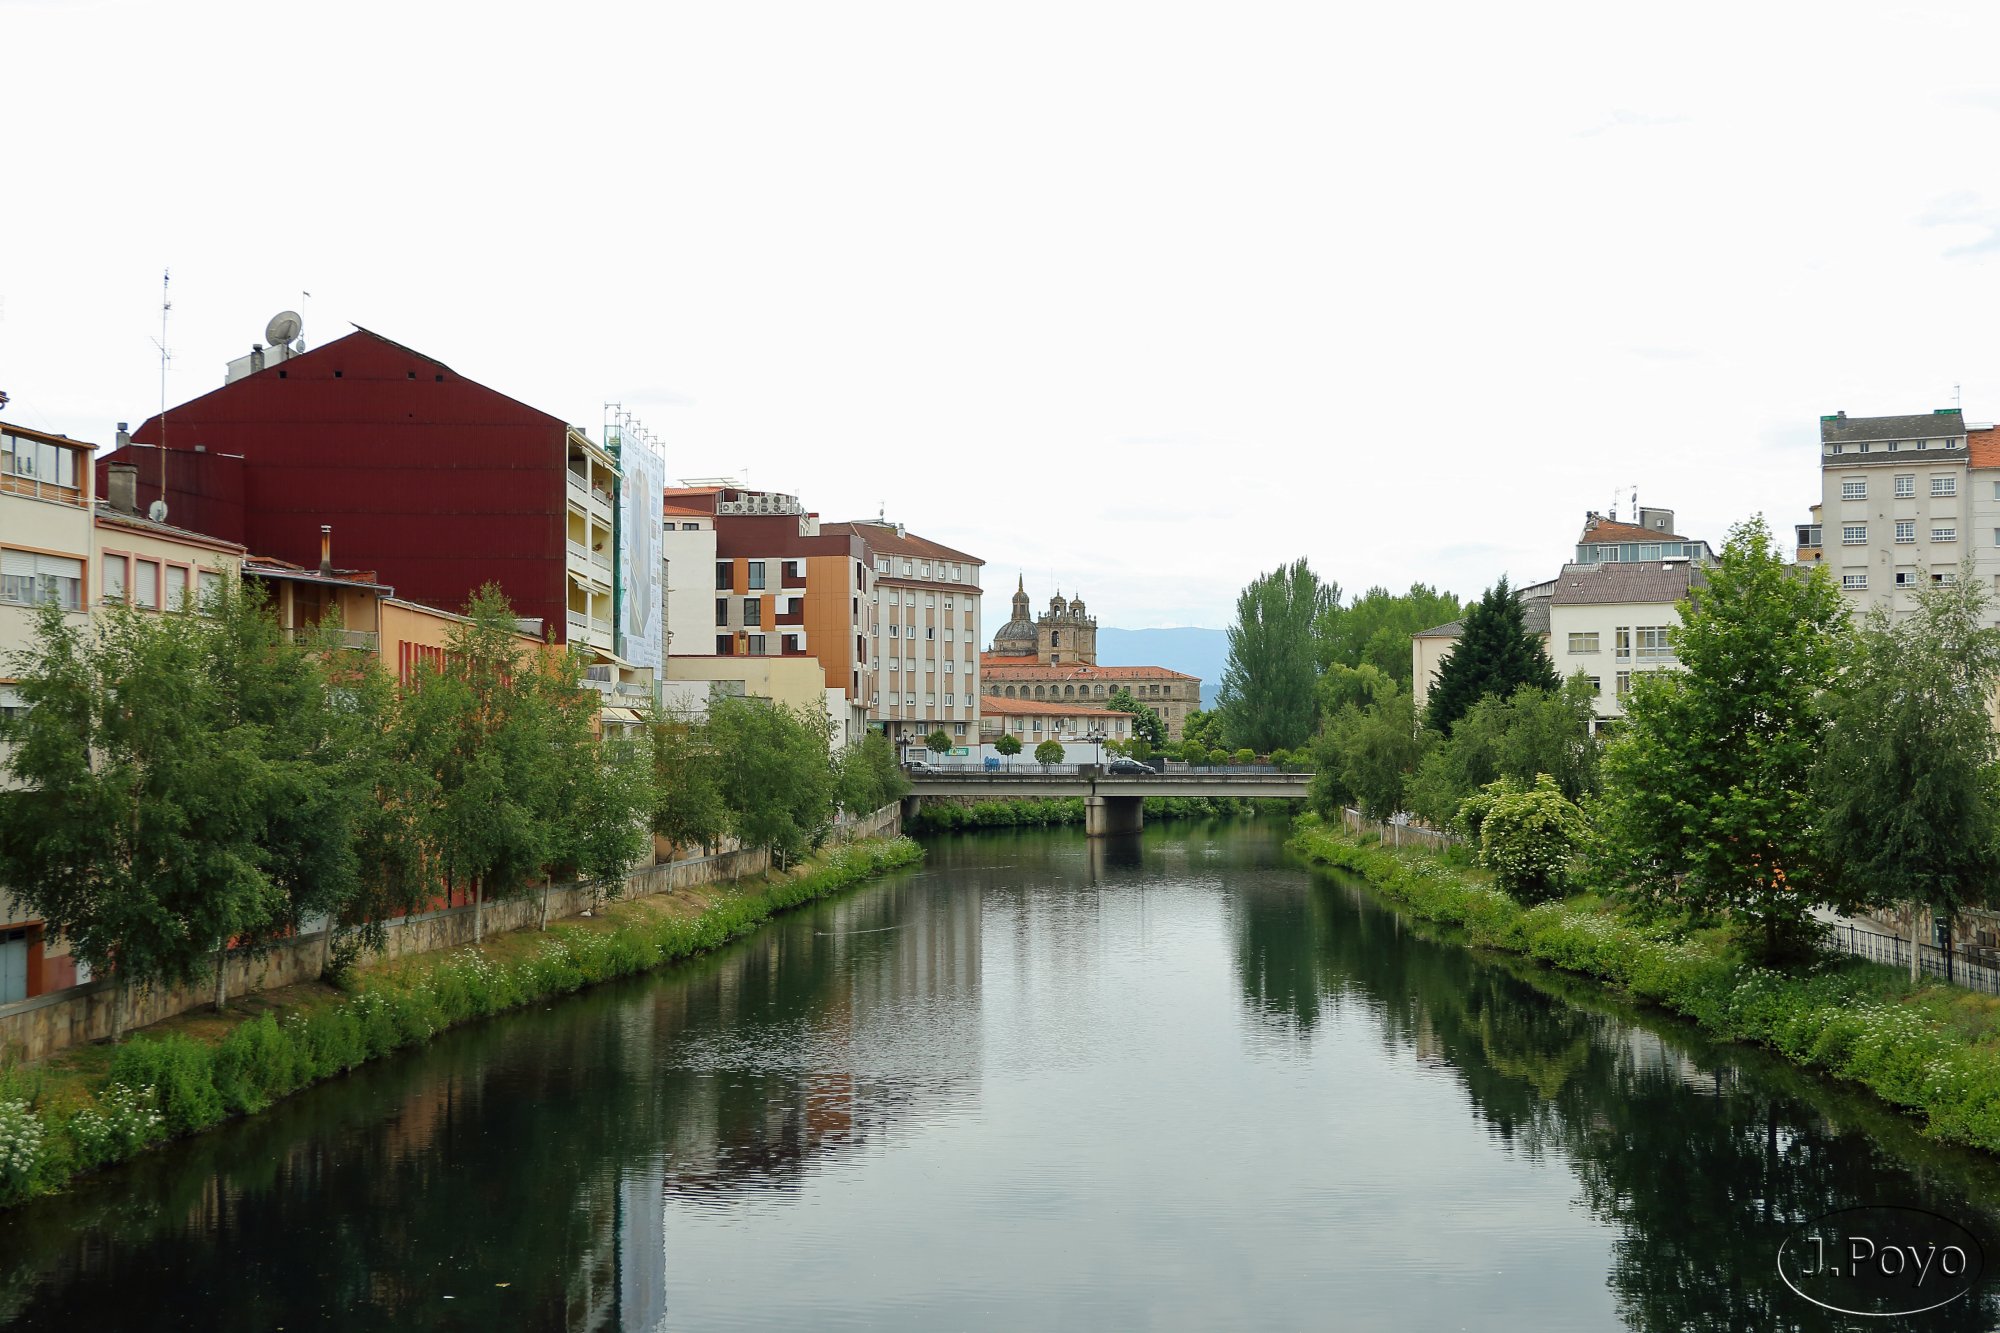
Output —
(432, 479)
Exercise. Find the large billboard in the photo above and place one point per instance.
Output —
(641, 493)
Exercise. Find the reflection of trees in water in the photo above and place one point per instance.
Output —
(1700, 1157)
(532, 1151)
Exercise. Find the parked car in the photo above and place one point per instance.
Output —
(921, 766)
(1126, 764)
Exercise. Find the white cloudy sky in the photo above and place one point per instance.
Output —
(1143, 298)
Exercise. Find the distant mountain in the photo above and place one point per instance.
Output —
(1198, 652)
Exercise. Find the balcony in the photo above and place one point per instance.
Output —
(593, 499)
(359, 640)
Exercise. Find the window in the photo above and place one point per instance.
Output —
(208, 584)
(690, 527)
(177, 587)
(1653, 641)
(29, 580)
(723, 579)
(1596, 685)
(1624, 640)
(930, 631)
(1906, 485)
(756, 573)
(1854, 580)
(753, 610)
(1944, 485)
(1944, 577)
(1864, 446)
(948, 701)
(1944, 534)
(1623, 683)
(930, 600)
(909, 701)
(792, 644)
(949, 665)
(722, 610)
(756, 642)
(895, 631)
(1583, 642)
(146, 584)
(11, 703)
(725, 644)
(112, 584)
(947, 603)
(1854, 534)
(1906, 530)
(1906, 578)
(908, 569)
(958, 728)
(1854, 489)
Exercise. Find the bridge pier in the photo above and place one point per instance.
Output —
(1111, 816)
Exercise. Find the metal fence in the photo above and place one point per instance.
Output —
(1931, 960)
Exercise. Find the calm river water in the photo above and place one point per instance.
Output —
(1175, 1082)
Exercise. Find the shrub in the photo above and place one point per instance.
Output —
(1246, 755)
(119, 1123)
(21, 1137)
(181, 1073)
(1526, 838)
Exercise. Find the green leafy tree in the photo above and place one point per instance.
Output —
(1267, 699)
(1906, 781)
(938, 742)
(1368, 755)
(1494, 655)
(480, 735)
(598, 796)
(1527, 837)
(1362, 686)
(1707, 803)
(777, 775)
(1146, 724)
(1008, 745)
(1049, 753)
(1374, 631)
(134, 832)
(1535, 731)
(867, 776)
(1202, 728)
(688, 809)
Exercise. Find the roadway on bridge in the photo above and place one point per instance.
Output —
(1282, 786)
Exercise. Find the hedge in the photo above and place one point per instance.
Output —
(163, 1087)
(1838, 1015)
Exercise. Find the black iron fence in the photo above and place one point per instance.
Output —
(1932, 961)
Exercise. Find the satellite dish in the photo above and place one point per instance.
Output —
(157, 511)
(284, 327)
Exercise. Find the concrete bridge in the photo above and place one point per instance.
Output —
(1112, 802)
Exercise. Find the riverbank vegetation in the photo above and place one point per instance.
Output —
(100, 1105)
(195, 781)
(1931, 1049)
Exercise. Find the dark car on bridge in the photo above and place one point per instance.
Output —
(1124, 764)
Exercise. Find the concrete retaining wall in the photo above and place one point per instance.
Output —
(35, 1028)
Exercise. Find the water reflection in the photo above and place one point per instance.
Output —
(1699, 1155)
(1171, 1080)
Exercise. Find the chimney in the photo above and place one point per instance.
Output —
(124, 434)
(256, 357)
(326, 548)
(123, 484)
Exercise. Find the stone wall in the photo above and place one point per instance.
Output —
(34, 1028)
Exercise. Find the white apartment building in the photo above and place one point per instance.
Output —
(1611, 621)
(687, 555)
(1901, 505)
(924, 653)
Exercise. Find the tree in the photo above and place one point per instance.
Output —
(777, 774)
(1267, 700)
(1375, 630)
(1532, 732)
(1906, 782)
(866, 776)
(1707, 803)
(938, 742)
(1527, 836)
(1146, 724)
(1008, 745)
(688, 809)
(1049, 753)
(1368, 754)
(1203, 729)
(135, 831)
(598, 798)
(480, 737)
(1495, 654)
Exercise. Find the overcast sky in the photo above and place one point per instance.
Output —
(1141, 298)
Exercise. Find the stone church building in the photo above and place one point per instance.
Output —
(1053, 656)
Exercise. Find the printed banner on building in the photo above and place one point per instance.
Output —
(643, 487)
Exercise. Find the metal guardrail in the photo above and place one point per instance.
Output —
(1894, 950)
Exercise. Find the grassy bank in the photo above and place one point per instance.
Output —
(1036, 811)
(108, 1104)
(1930, 1049)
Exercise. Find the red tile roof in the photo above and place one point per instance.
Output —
(1605, 530)
(1019, 668)
(1983, 447)
(882, 537)
(690, 513)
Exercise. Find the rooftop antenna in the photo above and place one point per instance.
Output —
(1957, 399)
(284, 327)
(166, 279)
(303, 298)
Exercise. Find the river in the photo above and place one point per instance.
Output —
(1177, 1082)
